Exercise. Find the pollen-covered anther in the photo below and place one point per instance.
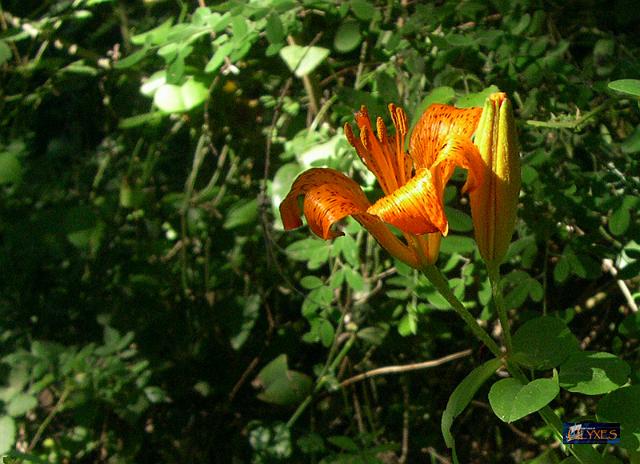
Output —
(382, 130)
(364, 138)
(348, 132)
(402, 126)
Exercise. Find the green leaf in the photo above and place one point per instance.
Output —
(630, 326)
(145, 118)
(310, 282)
(7, 434)
(476, 99)
(458, 221)
(274, 29)
(372, 335)
(315, 251)
(623, 406)
(10, 168)
(347, 37)
(303, 60)
(156, 395)
(250, 313)
(363, 9)
(511, 400)
(153, 83)
(354, 279)
(437, 95)
(408, 324)
(631, 145)
(457, 244)
(218, 57)
(628, 86)
(348, 248)
(593, 373)
(562, 269)
(460, 40)
(463, 394)
(154, 36)
(21, 404)
(282, 386)
(171, 98)
(5, 52)
(243, 213)
(326, 332)
(132, 59)
(619, 220)
(543, 343)
(344, 443)
(320, 297)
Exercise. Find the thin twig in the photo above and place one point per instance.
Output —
(433, 453)
(243, 378)
(405, 424)
(405, 368)
(608, 266)
(45, 423)
(306, 81)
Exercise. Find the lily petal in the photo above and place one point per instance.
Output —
(329, 197)
(416, 207)
(460, 152)
(436, 126)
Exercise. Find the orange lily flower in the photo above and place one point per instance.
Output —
(413, 182)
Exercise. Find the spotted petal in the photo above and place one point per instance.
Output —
(459, 152)
(435, 128)
(416, 207)
(330, 196)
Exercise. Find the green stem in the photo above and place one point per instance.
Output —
(584, 454)
(494, 277)
(321, 380)
(442, 285)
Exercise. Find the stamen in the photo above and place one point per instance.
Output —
(364, 139)
(392, 110)
(402, 126)
(348, 132)
(382, 130)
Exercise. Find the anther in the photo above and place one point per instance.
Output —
(382, 129)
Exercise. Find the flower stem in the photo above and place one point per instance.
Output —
(494, 277)
(442, 285)
(584, 454)
(322, 379)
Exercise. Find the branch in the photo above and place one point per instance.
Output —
(405, 368)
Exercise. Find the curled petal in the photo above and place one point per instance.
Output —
(435, 127)
(460, 152)
(416, 207)
(329, 197)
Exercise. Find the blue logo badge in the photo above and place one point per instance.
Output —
(574, 433)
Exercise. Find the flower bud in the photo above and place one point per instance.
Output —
(495, 201)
